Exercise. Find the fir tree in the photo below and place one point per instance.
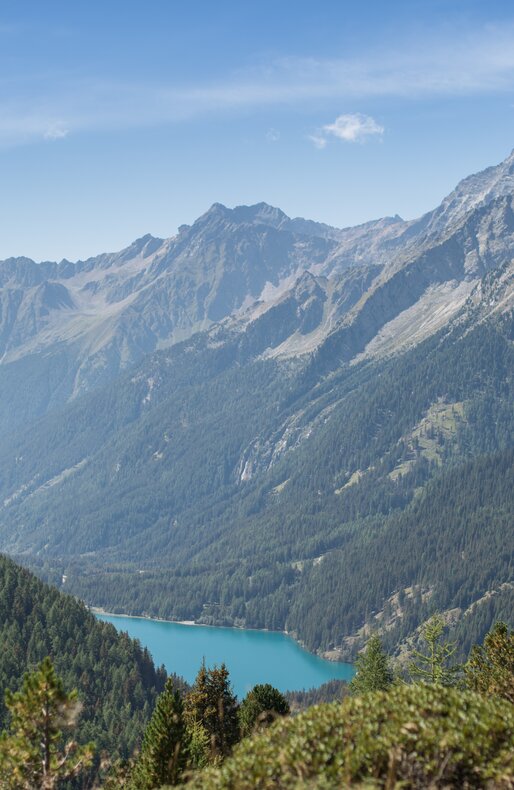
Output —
(434, 666)
(198, 744)
(32, 754)
(490, 668)
(261, 706)
(164, 750)
(373, 670)
(212, 705)
(195, 706)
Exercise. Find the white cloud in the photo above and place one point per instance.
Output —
(477, 63)
(56, 132)
(272, 135)
(318, 140)
(352, 128)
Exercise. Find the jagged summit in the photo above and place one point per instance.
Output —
(121, 306)
(473, 191)
(258, 213)
(144, 246)
(484, 186)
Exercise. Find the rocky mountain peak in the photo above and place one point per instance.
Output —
(257, 214)
(142, 247)
(389, 278)
(472, 192)
(307, 285)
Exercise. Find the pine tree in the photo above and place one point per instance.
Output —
(195, 706)
(31, 751)
(434, 667)
(164, 750)
(490, 668)
(261, 706)
(198, 744)
(373, 670)
(212, 705)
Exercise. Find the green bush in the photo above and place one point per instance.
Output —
(410, 736)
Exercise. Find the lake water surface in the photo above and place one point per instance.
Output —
(251, 656)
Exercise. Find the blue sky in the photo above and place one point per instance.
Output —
(122, 118)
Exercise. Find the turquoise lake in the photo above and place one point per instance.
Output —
(251, 656)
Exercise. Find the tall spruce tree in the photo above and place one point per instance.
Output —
(195, 705)
(434, 666)
(164, 751)
(33, 755)
(211, 708)
(373, 669)
(490, 668)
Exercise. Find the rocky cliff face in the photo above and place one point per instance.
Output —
(91, 319)
(297, 286)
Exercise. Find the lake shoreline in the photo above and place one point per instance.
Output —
(253, 655)
(100, 610)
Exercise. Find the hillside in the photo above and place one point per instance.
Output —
(332, 451)
(115, 677)
(309, 503)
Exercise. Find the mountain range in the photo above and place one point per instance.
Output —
(271, 422)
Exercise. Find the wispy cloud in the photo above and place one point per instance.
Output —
(272, 135)
(318, 140)
(352, 128)
(478, 63)
(56, 132)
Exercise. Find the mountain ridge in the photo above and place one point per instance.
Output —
(247, 402)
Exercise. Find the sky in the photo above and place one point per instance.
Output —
(121, 118)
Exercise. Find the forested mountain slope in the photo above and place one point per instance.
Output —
(288, 467)
(240, 529)
(116, 678)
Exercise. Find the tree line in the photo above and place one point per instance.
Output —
(192, 734)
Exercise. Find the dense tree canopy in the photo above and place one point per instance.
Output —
(352, 511)
(115, 677)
